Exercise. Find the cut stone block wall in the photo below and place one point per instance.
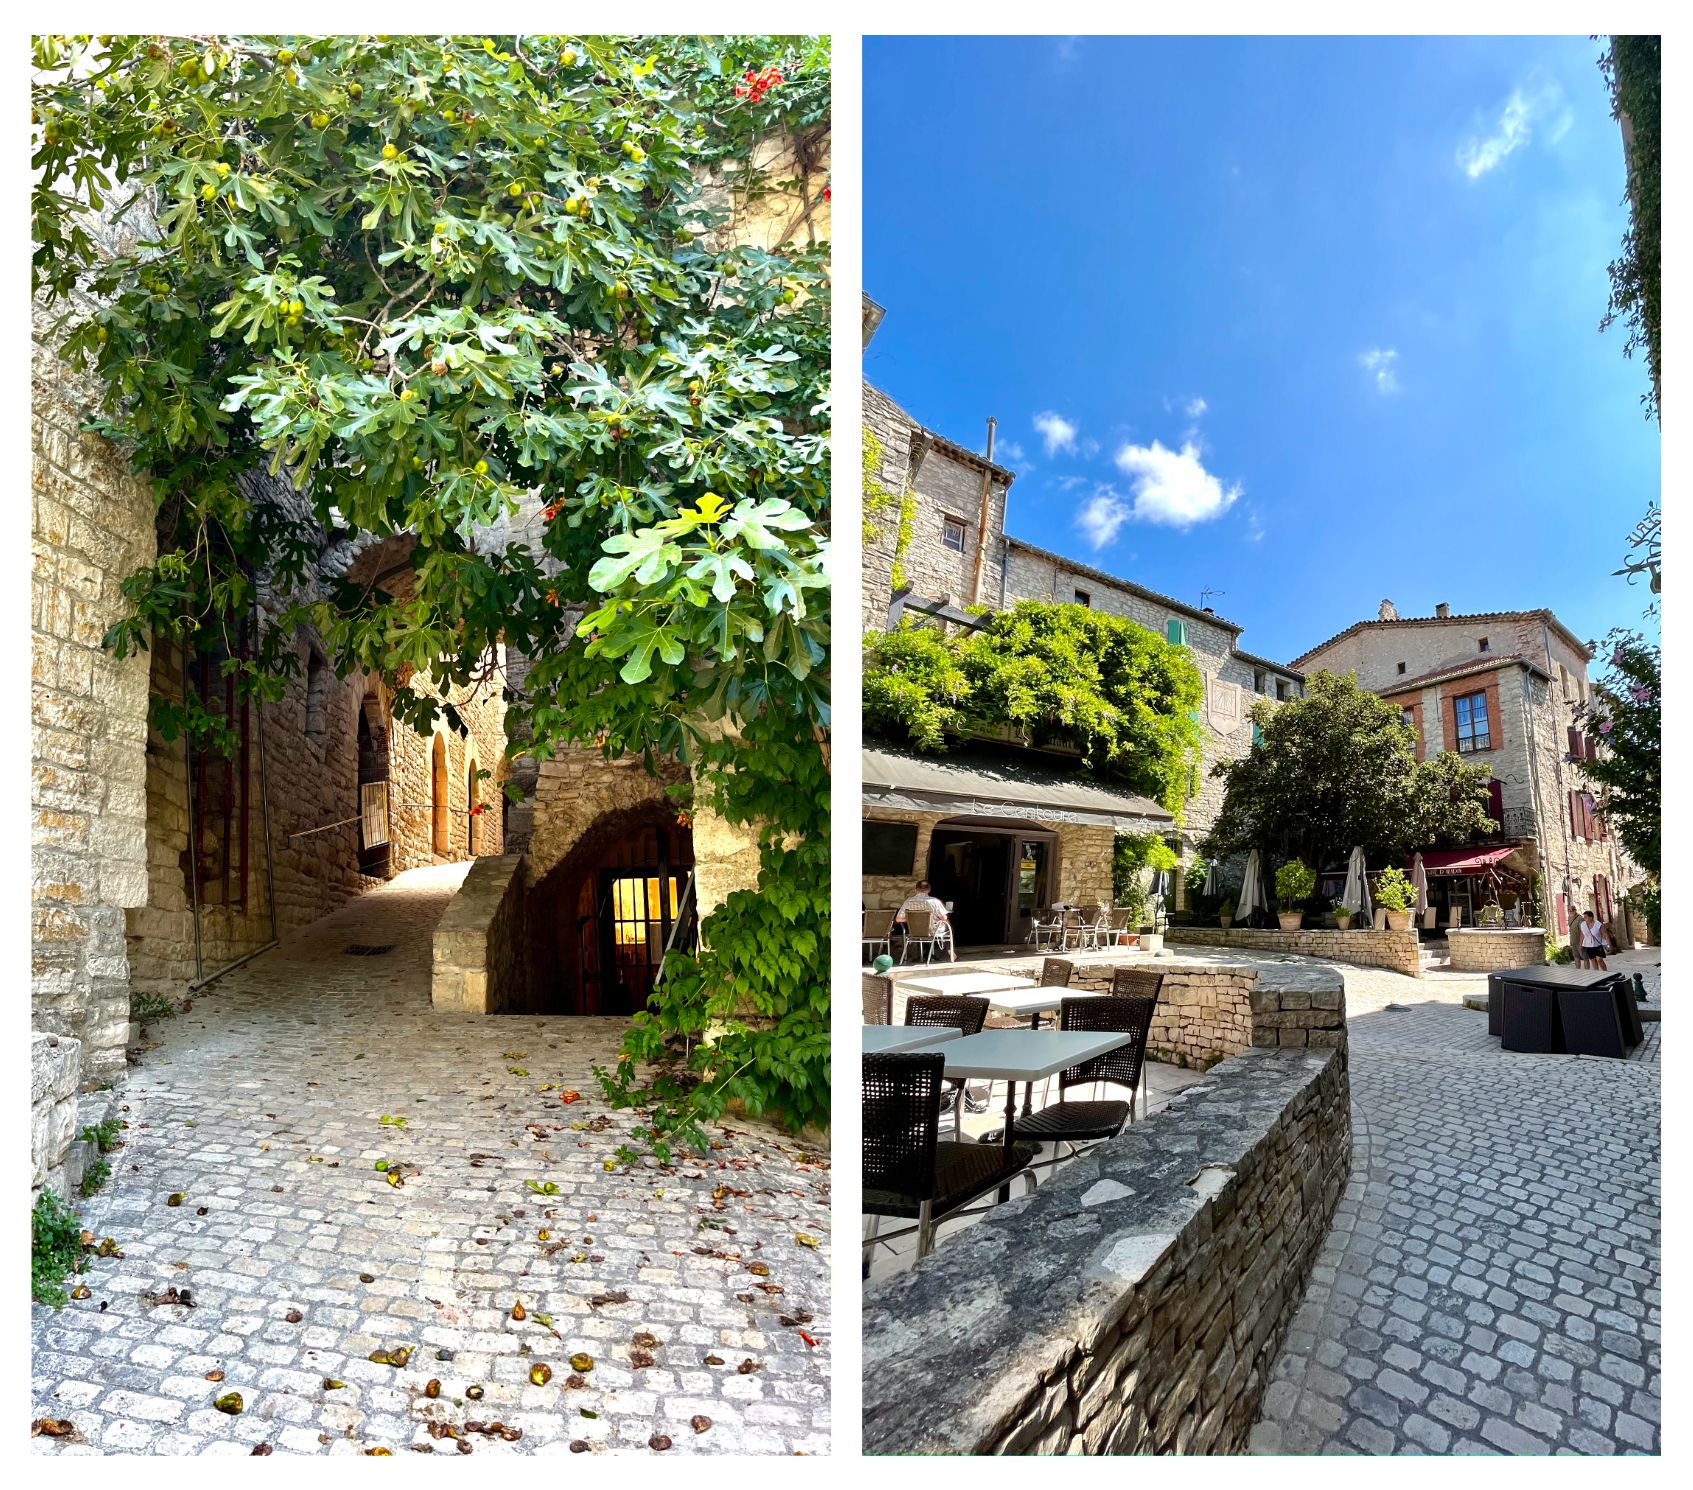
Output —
(480, 952)
(1483, 951)
(1396, 950)
(55, 1073)
(1136, 1302)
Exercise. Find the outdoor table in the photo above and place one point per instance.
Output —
(965, 983)
(1563, 1010)
(1034, 1002)
(880, 1039)
(1027, 1056)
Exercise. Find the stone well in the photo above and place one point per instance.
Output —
(1486, 949)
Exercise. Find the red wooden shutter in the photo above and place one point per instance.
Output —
(1563, 916)
(1575, 814)
(1575, 742)
(1496, 804)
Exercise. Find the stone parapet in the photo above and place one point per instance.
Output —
(55, 1073)
(1487, 949)
(480, 955)
(1395, 950)
(1134, 1303)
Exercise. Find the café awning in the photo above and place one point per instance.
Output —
(1457, 861)
(968, 785)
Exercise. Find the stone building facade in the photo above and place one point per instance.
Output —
(950, 544)
(1501, 688)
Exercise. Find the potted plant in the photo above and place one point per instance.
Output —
(1226, 915)
(1343, 914)
(1294, 884)
(1395, 894)
(1491, 915)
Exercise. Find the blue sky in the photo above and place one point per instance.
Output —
(1310, 323)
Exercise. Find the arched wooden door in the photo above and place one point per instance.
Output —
(440, 821)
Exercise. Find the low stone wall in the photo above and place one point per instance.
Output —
(1396, 950)
(480, 953)
(55, 1072)
(1134, 1303)
(1485, 949)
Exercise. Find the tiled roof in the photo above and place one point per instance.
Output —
(1461, 669)
(1280, 667)
(1465, 620)
(1087, 571)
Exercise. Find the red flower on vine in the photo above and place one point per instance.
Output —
(758, 84)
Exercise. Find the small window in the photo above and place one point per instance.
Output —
(1259, 683)
(1470, 715)
(1401, 667)
(1083, 598)
(952, 534)
(1482, 645)
(1281, 690)
(1408, 718)
(1175, 632)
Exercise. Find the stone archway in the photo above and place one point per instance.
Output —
(599, 921)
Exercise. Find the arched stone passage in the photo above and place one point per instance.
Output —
(599, 922)
(440, 819)
(472, 798)
(375, 850)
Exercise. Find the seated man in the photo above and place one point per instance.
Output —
(921, 900)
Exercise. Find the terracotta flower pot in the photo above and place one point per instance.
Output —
(1290, 920)
(1398, 920)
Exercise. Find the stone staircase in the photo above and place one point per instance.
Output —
(1433, 954)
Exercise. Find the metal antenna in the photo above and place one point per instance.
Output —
(1206, 594)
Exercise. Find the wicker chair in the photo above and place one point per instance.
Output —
(909, 1171)
(1046, 928)
(952, 1011)
(1133, 982)
(1056, 972)
(878, 999)
(923, 931)
(878, 931)
(1075, 1122)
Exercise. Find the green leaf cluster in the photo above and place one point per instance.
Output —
(1624, 714)
(1122, 695)
(55, 1248)
(1132, 854)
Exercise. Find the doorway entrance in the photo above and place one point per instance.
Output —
(995, 873)
(602, 919)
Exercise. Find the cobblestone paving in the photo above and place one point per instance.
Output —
(262, 1107)
(1491, 1284)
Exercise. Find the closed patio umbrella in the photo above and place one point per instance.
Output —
(1419, 880)
(1252, 896)
(1210, 880)
(1357, 891)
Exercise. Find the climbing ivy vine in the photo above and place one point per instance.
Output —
(424, 280)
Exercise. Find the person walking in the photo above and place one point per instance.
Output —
(1595, 941)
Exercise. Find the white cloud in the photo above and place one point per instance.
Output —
(1173, 487)
(1012, 451)
(1379, 361)
(1523, 110)
(1254, 528)
(1101, 515)
(1196, 407)
(1058, 432)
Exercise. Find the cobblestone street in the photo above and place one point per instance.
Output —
(1491, 1284)
(267, 1108)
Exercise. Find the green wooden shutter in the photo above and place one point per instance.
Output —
(1257, 735)
(1176, 632)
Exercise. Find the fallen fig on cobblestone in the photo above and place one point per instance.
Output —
(747, 1367)
(201, 1210)
(518, 1312)
(214, 1376)
(381, 1165)
(543, 1235)
(759, 1269)
(109, 1248)
(177, 1198)
(380, 1453)
(699, 1422)
(367, 1277)
(608, 1298)
(540, 1373)
(639, 1360)
(576, 1383)
(443, 1355)
(229, 1402)
(293, 1316)
(52, 1427)
(330, 1384)
(511, 1435)
(577, 1446)
(582, 1361)
(659, 1442)
(645, 1340)
(474, 1393)
(715, 1360)
(806, 1239)
(260, 1448)
(81, 1291)
(465, 1446)
(433, 1389)
(394, 1179)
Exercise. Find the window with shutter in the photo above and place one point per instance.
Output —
(1575, 815)
(1496, 804)
(1575, 743)
(1175, 632)
(1563, 916)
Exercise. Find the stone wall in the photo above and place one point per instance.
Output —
(1396, 950)
(1209, 1011)
(1484, 951)
(1137, 1301)
(91, 526)
(55, 1074)
(480, 949)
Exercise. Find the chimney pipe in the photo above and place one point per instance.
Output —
(1443, 610)
(982, 520)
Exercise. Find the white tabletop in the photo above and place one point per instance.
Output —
(1033, 1000)
(1027, 1055)
(879, 1039)
(965, 983)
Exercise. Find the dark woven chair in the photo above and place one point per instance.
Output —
(1129, 981)
(878, 999)
(950, 1011)
(1056, 972)
(1076, 1122)
(909, 1171)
